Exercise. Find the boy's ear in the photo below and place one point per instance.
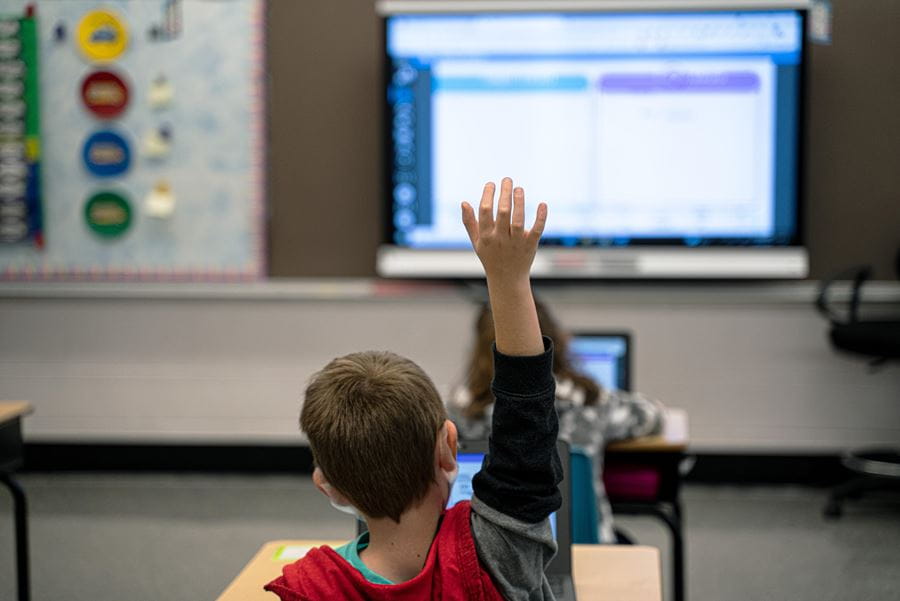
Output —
(327, 489)
(452, 436)
(447, 445)
(320, 482)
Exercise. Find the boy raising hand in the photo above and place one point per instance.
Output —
(385, 450)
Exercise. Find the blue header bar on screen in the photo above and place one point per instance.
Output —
(565, 35)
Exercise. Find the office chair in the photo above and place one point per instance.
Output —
(878, 340)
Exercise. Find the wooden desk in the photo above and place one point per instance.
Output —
(601, 572)
(663, 455)
(11, 410)
(11, 457)
(673, 438)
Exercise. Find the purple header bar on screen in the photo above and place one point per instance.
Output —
(648, 83)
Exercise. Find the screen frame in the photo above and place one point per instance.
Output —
(792, 264)
(628, 384)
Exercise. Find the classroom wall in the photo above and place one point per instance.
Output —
(325, 160)
(189, 363)
(751, 364)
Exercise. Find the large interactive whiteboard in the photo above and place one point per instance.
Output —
(152, 141)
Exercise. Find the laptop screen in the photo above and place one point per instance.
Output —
(469, 464)
(605, 357)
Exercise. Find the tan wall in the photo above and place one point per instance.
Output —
(325, 152)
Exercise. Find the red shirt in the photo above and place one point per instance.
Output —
(452, 572)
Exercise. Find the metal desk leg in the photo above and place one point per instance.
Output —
(21, 516)
(673, 522)
(676, 509)
(676, 526)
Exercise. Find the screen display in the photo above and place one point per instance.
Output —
(469, 464)
(651, 128)
(602, 358)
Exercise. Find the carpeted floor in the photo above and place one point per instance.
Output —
(108, 537)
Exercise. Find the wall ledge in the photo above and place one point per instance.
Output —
(363, 289)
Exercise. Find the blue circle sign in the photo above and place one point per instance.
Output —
(106, 154)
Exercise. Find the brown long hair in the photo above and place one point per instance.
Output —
(481, 364)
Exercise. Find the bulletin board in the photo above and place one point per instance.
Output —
(152, 118)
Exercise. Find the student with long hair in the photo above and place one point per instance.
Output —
(590, 416)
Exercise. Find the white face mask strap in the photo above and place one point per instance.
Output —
(348, 509)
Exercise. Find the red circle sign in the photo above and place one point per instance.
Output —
(104, 94)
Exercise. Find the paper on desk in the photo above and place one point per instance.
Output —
(290, 552)
(675, 425)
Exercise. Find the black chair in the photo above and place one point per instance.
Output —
(879, 341)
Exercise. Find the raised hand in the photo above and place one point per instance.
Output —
(506, 249)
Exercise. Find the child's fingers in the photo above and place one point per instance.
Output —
(518, 213)
(539, 222)
(504, 205)
(468, 219)
(486, 209)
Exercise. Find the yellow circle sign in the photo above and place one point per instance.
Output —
(102, 35)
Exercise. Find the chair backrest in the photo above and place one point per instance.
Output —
(879, 340)
(859, 275)
(584, 518)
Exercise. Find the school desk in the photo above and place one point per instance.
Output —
(642, 477)
(601, 572)
(11, 455)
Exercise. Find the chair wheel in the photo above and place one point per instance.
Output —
(833, 509)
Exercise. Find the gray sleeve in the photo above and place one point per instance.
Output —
(515, 553)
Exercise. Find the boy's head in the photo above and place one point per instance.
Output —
(378, 431)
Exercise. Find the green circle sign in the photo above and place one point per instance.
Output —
(108, 214)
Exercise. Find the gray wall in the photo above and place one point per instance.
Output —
(227, 364)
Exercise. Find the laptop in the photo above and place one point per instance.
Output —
(604, 356)
(559, 572)
(470, 456)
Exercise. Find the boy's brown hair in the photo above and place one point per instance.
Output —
(372, 420)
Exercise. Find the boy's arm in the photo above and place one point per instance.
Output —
(517, 487)
(522, 471)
